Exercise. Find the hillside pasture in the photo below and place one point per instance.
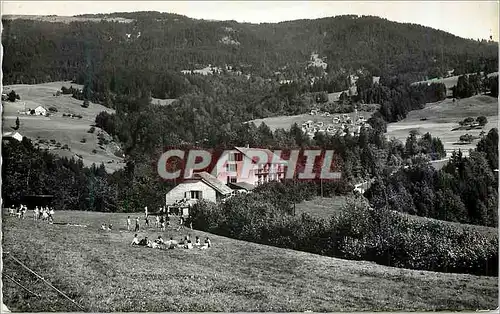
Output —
(449, 82)
(322, 207)
(64, 130)
(163, 102)
(441, 117)
(103, 273)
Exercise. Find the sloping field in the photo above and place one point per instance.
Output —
(65, 130)
(449, 82)
(102, 273)
(443, 116)
(163, 102)
(322, 207)
(285, 122)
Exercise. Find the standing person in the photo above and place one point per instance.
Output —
(36, 213)
(45, 214)
(162, 223)
(146, 211)
(147, 221)
(157, 222)
(128, 223)
(136, 224)
(51, 214)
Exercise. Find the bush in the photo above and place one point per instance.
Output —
(94, 151)
(482, 120)
(398, 240)
(83, 140)
(91, 130)
(385, 237)
(118, 153)
(53, 109)
(12, 96)
(467, 138)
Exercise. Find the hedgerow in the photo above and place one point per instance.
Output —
(359, 233)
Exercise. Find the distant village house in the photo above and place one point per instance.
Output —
(12, 136)
(40, 111)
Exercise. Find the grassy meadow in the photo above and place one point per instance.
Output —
(103, 273)
(163, 102)
(449, 82)
(65, 130)
(443, 116)
(322, 207)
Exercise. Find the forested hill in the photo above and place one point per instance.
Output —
(157, 46)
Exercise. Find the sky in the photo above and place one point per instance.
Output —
(468, 19)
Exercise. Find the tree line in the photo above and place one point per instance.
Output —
(38, 51)
(465, 190)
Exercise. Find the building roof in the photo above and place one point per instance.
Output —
(242, 186)
(213, 182)
(14, 135)
(272, 158)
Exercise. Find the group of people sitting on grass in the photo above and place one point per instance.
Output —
(106, 227)
(159, 243)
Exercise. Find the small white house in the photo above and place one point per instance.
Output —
(12, 135)
(40, 111)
